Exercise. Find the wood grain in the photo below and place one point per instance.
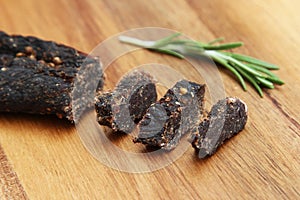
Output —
(9, 181)
(262, 162)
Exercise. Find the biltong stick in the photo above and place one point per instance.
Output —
(38, 76)
(226, 118)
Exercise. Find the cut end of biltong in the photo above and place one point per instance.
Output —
(226, 118)
(39, 77)
(178, 112)
(122, 108)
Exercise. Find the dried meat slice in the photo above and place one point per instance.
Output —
(174, 115)
(226, 118)
(122, 108)
(43, 77)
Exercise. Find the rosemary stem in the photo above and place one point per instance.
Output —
(254, 70)
(232, 69)
(136, 42)
(238, 63)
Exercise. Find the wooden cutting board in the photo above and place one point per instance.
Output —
(43, 158)
(10, 183)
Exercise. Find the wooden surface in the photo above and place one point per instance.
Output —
(45, 159)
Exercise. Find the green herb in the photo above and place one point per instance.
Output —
(255, 71)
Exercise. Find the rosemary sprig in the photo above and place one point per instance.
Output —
(255, 71)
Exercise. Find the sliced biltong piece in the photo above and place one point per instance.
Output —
(226, 118)
(174, 115)
(103, 104)
(39, 77)
(128, 103)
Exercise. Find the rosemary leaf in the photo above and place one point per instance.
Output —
(275, 80)
(261, 69)
(223, 46)
(167, 51)
(252, 60)
(232, 69)
(252, 80)
(162, 42)
(246, 68)
(271, 76)
(182, 42)
(265, 82)
(216, 41)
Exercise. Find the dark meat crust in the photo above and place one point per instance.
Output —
(226, 118)
(38, 76)
(125, 106)
(174, 115)
(161, 122)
